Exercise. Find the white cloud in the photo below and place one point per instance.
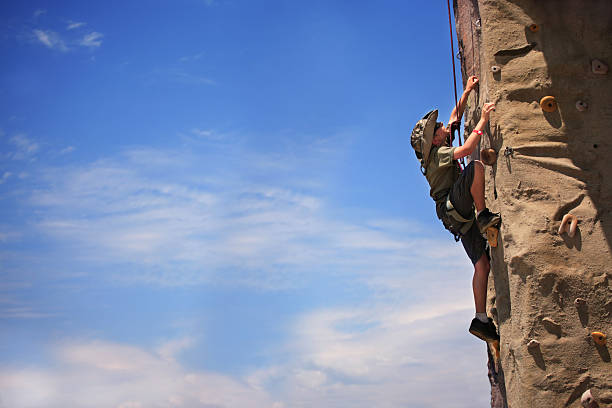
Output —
(383, 355)
(51, 40)
(67, 150)
(103, 374)
(39, 12)
(203, 133)
(92, 40)
(74, 25)
(194, 57)
(5, 176)
(25, 148)
(170, 349)
(183, 217)
(185, 77)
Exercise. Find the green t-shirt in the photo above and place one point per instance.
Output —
(442, 170)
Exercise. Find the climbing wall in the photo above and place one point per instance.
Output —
(545, 65)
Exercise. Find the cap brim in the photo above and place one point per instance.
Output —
(428, 132)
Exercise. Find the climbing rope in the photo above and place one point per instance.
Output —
(457, 128)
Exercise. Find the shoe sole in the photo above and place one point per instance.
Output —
(483, 338)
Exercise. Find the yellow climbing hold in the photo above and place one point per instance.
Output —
(492, 234)
(599, 338)
(534, 28)
(548, 104)
(495, 345)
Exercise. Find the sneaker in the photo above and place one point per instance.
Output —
(484, 331)
(487, 219)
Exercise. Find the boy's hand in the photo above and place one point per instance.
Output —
(471, 83)
(486, 111)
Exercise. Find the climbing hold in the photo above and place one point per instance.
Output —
(551, 326)
(599, 67)
(599, 338)
(495, 69)
(533, 344)
(515, 52)
(492, 234)
(488, 156)
(581, 106)
(534, 28)
(572, 220)
(579, 302)
(495, 345)
(548, 104)
(588, 401)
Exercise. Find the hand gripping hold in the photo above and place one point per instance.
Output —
(573, 222)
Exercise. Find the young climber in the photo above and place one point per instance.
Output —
(456, 192)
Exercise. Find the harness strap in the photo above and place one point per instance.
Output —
(450, 210)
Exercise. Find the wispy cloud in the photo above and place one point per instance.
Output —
(25, 148)
(190, 58)
(187, 78)
(220, 212)
(384, 355)
(12, 308)
(92, 40)
(67, 150)
(5, 176)
(74, 25)
(71, 40)
(51, 40)
(103, 374)
(208, 134)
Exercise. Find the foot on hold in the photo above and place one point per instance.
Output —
(487, 219)
(484, 331)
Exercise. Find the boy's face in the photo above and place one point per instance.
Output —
(440, 134)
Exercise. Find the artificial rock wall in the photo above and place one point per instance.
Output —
(548, 291)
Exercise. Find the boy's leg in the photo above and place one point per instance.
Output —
(477, 189)
(476, 248)
(479, 283)
(472, 185)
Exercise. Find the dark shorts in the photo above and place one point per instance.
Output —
(473, 242)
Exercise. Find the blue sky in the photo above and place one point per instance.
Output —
(215, 204)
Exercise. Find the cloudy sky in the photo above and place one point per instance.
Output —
(214, 203)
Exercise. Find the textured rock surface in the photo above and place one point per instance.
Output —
(551, 288)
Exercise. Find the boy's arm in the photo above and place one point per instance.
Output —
(456, 116)
(472, 141)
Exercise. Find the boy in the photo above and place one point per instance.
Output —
(456, 193)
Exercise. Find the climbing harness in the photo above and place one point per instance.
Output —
(450, 210)
(454, 222)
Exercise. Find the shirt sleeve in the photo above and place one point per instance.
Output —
(445, 156)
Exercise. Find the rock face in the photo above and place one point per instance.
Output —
(545, 65)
